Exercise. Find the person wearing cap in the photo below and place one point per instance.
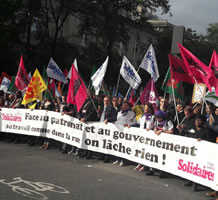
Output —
(199, 132)
(161, 124)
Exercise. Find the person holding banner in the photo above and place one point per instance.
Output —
(188, 123)
(146, 121)
(164, 106)
(181, 115)
(212, 124)
(17, 104)
(49, 106)
(2, 105)
(87, 113)
(115, 104)
(106, 114)
(127, 118)
(198, 132)
(161, 125)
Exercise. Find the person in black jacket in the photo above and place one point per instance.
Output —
(181, 115)
(188, 123)
(87, 113)
(106, 114)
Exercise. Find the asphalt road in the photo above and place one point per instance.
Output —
(48, 174)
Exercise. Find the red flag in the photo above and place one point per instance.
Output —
(213, 80)
(4, 75)
(178, 70)
(132, 99)
(150, 95)
(77, 93)
(22, 79)
(66, 72)
(195, 67)
(51, 86)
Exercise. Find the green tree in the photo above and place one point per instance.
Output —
(8, 32)
(108, 22)
(199, 45)
(212, 35)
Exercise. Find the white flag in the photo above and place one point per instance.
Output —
(129, 73)
(30, 76)
(76, 67)
(98, 76)
(53, 71)
(211, 97)
(5, 84)
(149, 63)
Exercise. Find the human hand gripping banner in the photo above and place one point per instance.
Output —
(181, 156)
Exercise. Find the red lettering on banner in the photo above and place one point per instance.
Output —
(10, 117)
(196, 170)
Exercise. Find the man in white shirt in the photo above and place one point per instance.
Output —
(127, 118)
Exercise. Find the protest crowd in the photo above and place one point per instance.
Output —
(163, 116)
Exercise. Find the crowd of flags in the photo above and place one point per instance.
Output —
(187, 69)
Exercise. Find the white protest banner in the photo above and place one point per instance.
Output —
(184, 157)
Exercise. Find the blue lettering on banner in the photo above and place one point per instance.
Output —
(151, 58)
(56, 70)
(130, 72)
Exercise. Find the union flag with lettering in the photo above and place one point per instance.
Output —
(77, 92)
(22, 79)
(35, 88)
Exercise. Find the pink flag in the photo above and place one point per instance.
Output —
(195, 67)
(213, 80)
(77, 92)
(150, 95)
(22, 79)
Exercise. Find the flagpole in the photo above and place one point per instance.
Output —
(165, 94)
(204, 101)
(185, 116)
(92, 102)
(202, 109)
(174, 99)
(117, 85)
(127, 92)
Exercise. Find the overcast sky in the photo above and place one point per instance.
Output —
(195, 14)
